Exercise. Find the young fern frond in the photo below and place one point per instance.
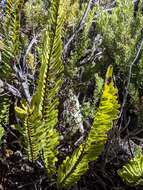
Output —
(31, 123)
(32, 130)
(4, 116)
(132, 173)
(1, 134)
(53, 82)
(51, 64)
(15, 33)
(10, 33)
(4, 110)
(11, 24)
(73, 167)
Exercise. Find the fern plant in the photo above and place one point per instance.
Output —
(132, 173)
(39, 114)
(72, 167)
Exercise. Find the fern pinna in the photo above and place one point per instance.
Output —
(40, 117)
(77, 164)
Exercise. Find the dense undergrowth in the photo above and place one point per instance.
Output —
(71, 94)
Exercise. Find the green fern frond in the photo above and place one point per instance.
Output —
(12, 25)
(30, 122)
(41, 116)
(50, 153)
(51, 64)
(33, 146)
(4, 116)
(11, 35)
(1, 134)
(53, 81)
(132, 173)
(4, 111)
(32, 129)
(73, 167)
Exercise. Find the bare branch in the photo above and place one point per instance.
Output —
(135, 61)
(33, 41)
(24, 83)
(79, 27)
(4, 86)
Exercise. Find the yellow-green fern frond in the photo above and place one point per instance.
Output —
(31, 136)
(10, 33)
(41, 116)
(106, 114)
(73, 167)
(1, 134)
(132, 173)
(4, 114)
(4, 111)
(51, 84)
(12, 25)
(51, 64)
(50, 143)
(11, 28)
(30, 123)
